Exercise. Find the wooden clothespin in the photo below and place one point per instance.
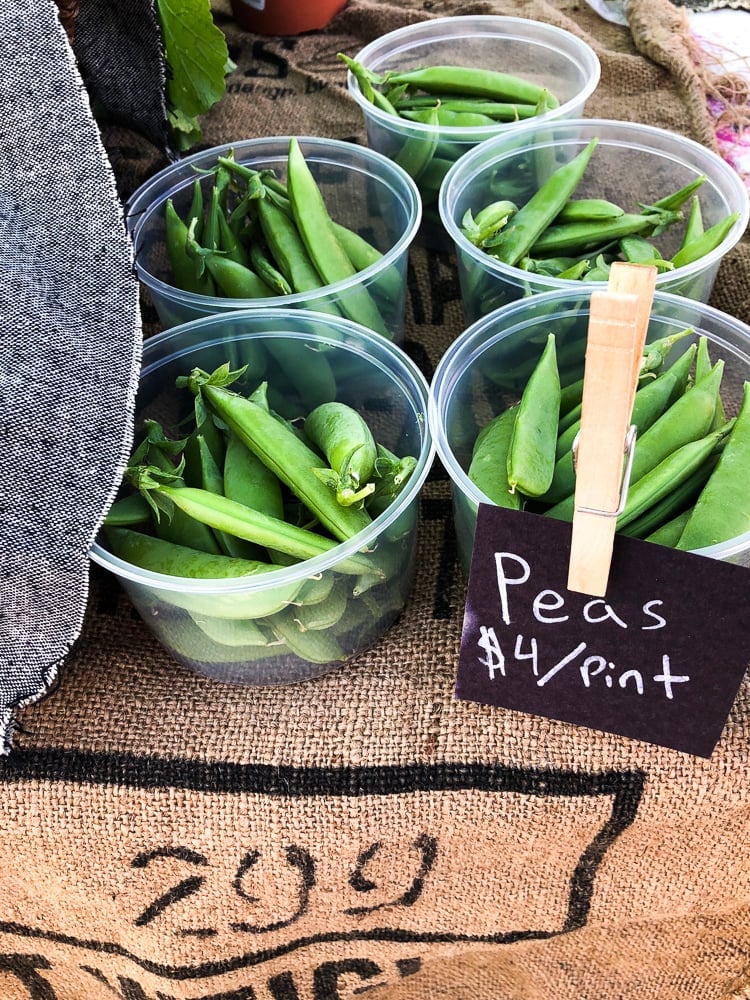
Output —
(604, 445)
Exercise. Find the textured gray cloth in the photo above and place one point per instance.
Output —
(69, 348)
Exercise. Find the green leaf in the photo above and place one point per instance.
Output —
(197, 62)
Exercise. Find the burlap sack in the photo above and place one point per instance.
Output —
(170, 838)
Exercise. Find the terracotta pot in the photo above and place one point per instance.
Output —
(285, 17)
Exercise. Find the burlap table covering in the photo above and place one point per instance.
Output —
(165, 836)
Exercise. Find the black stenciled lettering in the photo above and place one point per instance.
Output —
(281, 987)
(187, 887)
(427, 849)
(326, 977)
(297, 858)
(443, 284)
(24, 968)
(127, 989)
(269, 63)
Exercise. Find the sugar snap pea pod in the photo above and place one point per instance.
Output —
(247, 480)
(531, 453)
(488, 468)
(694, 225)
(706, 242)
(285, 454)
(683, 495)
(587, 209)
(657, 351)
(210, 477)
(233, 631)
(669, 532)
(322, 614)
(363, 254)
(229, 244)
(650, 401)
(287, 247)
(127, 512)
(496, 111)
(703, 366)
(344, 437)
(448, 117)
(265, 267)
(488, 221)
(588, 236)
(222, 514)
(210, 229)
(329, 257)
(678, 466)
(465, 80)
(418, 150)
(533, 218)
(316, 646)
(369, 84)
(186, 273)
(582, 268)
(392, 473)
(690, 417)
(673, 202)
(722, 511)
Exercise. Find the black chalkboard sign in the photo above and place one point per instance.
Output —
(659, 658)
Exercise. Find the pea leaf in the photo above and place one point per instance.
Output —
(197, 60)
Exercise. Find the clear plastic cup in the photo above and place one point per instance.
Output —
(486, 367)
(538, 52)
(302, 620)
(363, 191)
(632, 165)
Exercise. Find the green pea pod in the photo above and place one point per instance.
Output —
(229, 244)
(418, 150)
(690, 417)
(265, 267)
(669, 533)
(531, 453)
(674, 202)
(588, 209)
(323, 614)
(247, 480)
(588, 237)
(496, 111)
(363, 254)
(329, 257)
(649, 403)
(465, 81)
(678, 466)
(316, 646)
(533, 218)
(694, 226)
(449, 117)
(186, 273)
(128, 512)
(344, 437)
(706, 242)
(683, 495)
(488, 469)
(722, 511)
(287, 456)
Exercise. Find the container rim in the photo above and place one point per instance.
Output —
(143, 204)
(477, 338)
(362, 342)
(585, 53)
(462, 171)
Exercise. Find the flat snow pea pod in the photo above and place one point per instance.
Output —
(533, 218)
(488, 469)
(466, 80)
(706, 242)
(678, 466)
(185, 270)
(531, 453)
(329, 257)
(288, 457)
(722, 511)
(344, 437)
(690, 417)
